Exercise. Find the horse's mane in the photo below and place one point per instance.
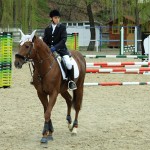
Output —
(40, 44)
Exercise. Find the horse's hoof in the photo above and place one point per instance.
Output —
(74, 131)
(44, 140)
(50, 138)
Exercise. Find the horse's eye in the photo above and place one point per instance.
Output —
(27, 46)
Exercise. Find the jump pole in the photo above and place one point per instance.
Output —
(119, 70)
(116, 83)
(135, 39)
(122, 41)
(116, 56)
(116, 63)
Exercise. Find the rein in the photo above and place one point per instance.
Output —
(40, 61)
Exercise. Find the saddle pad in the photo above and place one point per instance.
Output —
(76, 69)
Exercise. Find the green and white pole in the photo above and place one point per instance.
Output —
(122, 41)
(135, 40)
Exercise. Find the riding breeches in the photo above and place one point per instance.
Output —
(68, 62)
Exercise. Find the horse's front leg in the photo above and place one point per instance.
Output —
(48, 126)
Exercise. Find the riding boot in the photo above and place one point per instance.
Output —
(71, 83)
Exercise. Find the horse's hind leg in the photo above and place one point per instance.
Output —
(77, 102)
(68, 99)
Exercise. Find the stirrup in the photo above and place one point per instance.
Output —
(72, 85)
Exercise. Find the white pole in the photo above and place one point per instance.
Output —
(148, 48)
(97, 45)
(122, 41)
(135, 40)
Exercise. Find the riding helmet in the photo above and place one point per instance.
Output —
(54, 13)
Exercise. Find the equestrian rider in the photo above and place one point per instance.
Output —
(55, 36)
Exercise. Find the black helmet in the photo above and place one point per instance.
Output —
(54, 13)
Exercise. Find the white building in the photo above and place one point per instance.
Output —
(83, 30)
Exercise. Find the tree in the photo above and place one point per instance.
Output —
(1, 10)
(91, 45)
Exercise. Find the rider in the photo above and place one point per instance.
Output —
(55, 36)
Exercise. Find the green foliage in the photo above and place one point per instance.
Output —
(26, 14)
(31, 14)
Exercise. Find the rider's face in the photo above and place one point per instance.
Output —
(56, 19)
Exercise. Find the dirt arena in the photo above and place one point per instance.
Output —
(112, 118)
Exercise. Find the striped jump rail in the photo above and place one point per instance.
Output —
(119, 70)
(117, 64)
(116, 83)
(116, 56)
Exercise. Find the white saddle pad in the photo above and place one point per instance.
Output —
(76, 69)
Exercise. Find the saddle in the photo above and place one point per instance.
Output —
(63, 67)
(62, 62)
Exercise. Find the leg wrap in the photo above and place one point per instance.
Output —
(75, 123)
(68, 118)
(48, 127)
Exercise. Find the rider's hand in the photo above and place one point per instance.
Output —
(53, 49)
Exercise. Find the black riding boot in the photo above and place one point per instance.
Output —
(71, 83)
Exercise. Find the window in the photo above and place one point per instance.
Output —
(74, 24)
(69, 24)
(115, 29)
(131, 30)
(87, 23)
(80, 24)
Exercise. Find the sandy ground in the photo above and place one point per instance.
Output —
(112, 118)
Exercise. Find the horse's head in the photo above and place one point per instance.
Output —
(26, 49)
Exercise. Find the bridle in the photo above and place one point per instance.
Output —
(27, 58)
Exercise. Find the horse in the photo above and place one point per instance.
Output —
(48, 81)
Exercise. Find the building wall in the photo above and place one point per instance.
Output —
(84, 34)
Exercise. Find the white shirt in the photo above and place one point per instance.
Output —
(53, 27)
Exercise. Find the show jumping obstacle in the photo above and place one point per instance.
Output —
(5, 59)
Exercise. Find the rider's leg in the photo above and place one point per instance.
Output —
(70, 71)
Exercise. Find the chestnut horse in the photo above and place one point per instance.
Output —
(48, 81)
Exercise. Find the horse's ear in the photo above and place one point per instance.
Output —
(33, 34)
(22, 34)
(34, 38)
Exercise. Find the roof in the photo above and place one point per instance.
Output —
(96, 22)
(131, 18)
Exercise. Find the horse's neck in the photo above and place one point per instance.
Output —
(43, 58)
(42, 50)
